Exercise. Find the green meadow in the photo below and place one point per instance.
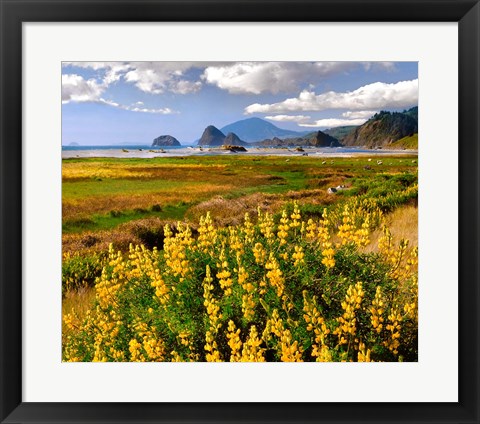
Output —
(103, 193)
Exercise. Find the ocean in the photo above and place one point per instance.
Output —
(146, 151)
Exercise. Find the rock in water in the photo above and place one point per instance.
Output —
(211, 137)
(320, 139)
(166, 140)
(316, 139)
(233, 139)
(234, 149)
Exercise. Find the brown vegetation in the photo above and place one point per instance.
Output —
(403, 224)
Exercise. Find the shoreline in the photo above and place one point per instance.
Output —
(260, 151)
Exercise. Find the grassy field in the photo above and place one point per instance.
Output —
(265, 264)
(99, 194)
(408, 142)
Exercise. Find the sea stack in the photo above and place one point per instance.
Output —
(166, 141)
(320, 139)
(233, 139)
(211, 137)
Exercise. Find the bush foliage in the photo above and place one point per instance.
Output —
(287, 289)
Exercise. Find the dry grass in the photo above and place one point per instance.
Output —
(147, 232)
(89, 242)
(83, 208)
(403, 223)
(101, 194)
(226, 212)
(80, 301)
(98, 188)
(76, 171)
(232, 211)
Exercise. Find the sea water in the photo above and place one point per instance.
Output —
(148, 151)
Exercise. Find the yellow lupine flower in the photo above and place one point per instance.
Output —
(283, 228)
(298, 256)
(249, 264)
(347, 322)
(233, 336)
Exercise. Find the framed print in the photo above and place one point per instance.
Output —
(220, 212)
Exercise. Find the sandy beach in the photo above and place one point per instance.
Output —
(197, 151)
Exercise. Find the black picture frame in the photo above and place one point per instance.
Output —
(16, 12)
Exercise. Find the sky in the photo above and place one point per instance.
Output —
(134, 102)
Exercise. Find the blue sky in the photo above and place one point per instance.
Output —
(134, 102)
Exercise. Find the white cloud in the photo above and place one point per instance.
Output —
(359, 114)
(147, 80)
(185, 87)
(332, 122)
(160, 77)
(289, 118)
(161, 111)
(92, 65)
(378, 95)
(379, 66)
(306, 121)
(112, 71)
(136, 107)
(149, 77)
(272, 77)
(276, 77)
(235, 77)
(77, 89)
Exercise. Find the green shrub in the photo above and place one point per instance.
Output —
(79, 271)
(270, 291)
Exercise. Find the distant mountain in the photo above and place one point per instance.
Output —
(256, 129)
(315, 139)
(166, 140)
(211, 137)
(383, 129)
(74, 143)
(340, 132)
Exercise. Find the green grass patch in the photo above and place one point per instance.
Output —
(409, 142)
(114, 218)
(111, 187)
(104, 203)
